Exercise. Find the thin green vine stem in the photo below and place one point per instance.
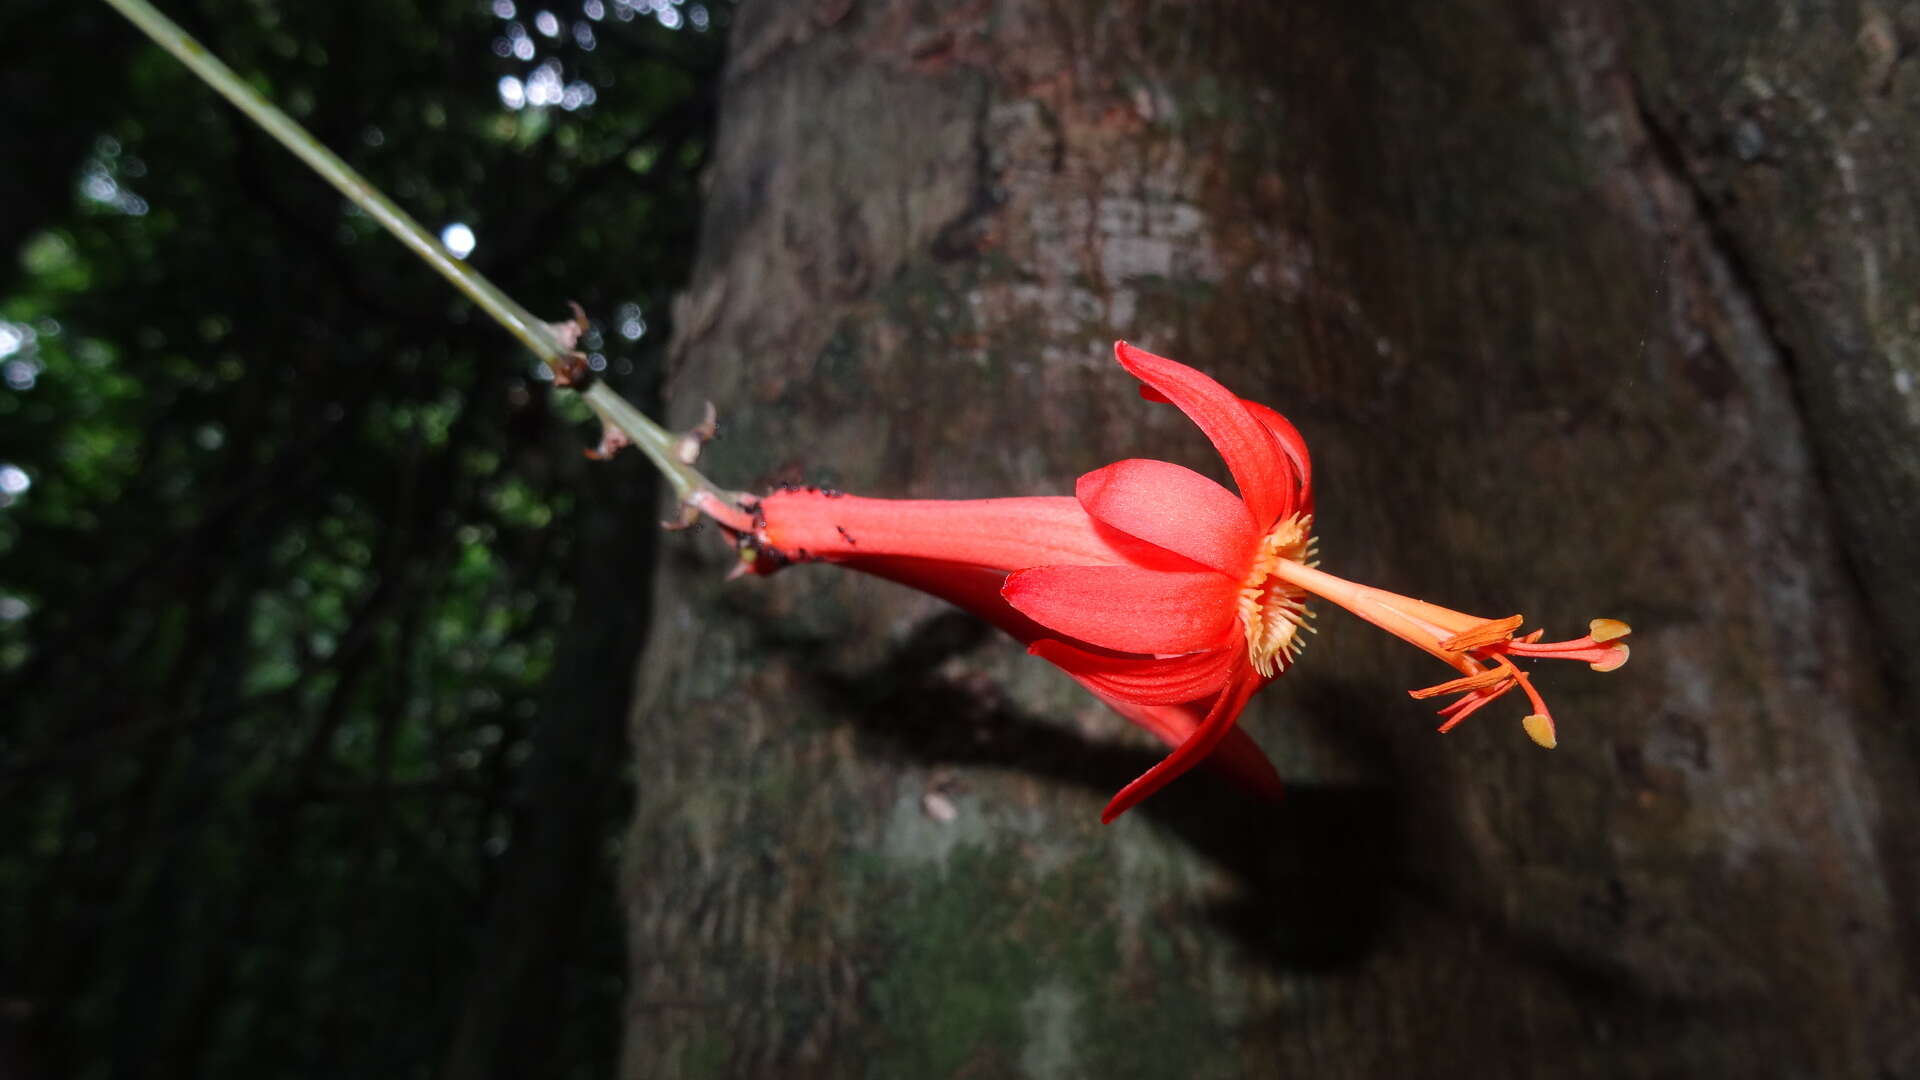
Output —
(531, 331)
(659, 445)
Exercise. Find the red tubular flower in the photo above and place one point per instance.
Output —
(1163, 593)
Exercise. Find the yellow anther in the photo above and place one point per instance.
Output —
(1608, 630)
(1540, 729)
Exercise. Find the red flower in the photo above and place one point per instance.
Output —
(1163, 593)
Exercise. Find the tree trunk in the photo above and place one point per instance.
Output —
(1586, 310)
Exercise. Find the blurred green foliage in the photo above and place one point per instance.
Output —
(315, 629)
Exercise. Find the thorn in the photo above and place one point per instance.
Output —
(688, 448)
(569, 332)
(612, 441)
(689, 517)
(573, 372)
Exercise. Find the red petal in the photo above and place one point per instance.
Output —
(974, 589)
(1284, 433)
(1130, 608)
(1238, 757)
(1295, 446)
(1212, 730)
(977, 589)
(1172, 681)
(1174, 507)
(1006, 534)
(1260, 469)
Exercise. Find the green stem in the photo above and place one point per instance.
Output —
(656, 442)
(660, 446)
(355, 187)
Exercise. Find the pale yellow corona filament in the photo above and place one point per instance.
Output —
(1272, 610)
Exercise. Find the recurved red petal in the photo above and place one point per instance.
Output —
(1284, 433)
(1130, 608)
(1288, 437)
(1175, 508)
(977, 589)
(1219, 722)
(1295, 448)
(1261, 470)
(1143, 681)
(1238, 757)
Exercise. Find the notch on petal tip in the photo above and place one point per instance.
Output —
(1540, 729)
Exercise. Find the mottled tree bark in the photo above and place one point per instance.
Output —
(1589, 309)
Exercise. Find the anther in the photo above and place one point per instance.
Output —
(1484, 634)
(1540, 729)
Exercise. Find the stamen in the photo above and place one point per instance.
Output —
(1469, 705)
(1485, 634)
(1601, 653)
(1526, 683)
(1461, 685)
(1464, 641)
(1483, 688)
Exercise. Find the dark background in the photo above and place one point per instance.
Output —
(329, 670)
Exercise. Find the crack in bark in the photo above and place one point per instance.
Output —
(963, 236)
(1742, 289)
(1742, 295)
